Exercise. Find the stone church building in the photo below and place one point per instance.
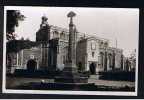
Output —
(50, 51)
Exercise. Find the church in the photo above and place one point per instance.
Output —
(50, 51)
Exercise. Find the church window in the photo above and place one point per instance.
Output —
(67, 37)
(64, 59)
(62, 35)
(106, 44)
(93, 46)
(93, 53)
(56, 34)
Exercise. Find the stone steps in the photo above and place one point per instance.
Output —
(94, 76)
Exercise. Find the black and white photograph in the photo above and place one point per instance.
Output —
(70, 50)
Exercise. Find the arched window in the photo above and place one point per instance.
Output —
(56, 34)
(64, 59)
(106, 44)
(110, 60)
(62, 35)
(67, 37)
(101, 44)
(101, 59)
(93, 54)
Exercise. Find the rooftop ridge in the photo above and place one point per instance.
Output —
(80, 34)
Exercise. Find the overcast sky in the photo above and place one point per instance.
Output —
(110, 23)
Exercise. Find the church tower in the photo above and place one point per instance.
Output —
(43, 37)
(43, 34)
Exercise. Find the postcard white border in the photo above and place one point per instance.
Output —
(112, 93)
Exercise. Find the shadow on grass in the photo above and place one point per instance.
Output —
(73, 86)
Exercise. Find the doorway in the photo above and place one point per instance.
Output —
(31, 64)
(92, 68)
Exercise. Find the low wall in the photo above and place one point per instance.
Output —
(118, 75)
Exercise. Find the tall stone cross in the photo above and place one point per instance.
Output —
(70, 73)
(72, 41)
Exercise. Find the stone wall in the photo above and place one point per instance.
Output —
(81, 55)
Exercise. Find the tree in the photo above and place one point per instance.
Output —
(13, 18)
(27, 39)
(22, 38)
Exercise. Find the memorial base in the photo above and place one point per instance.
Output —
(70, 75)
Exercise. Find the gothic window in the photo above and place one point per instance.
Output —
(101, 58)
(110, 59)
(67, 37)
(53, 34)
(101, 44)
(106, 44)
(93, 53)
(64, 59)
(56, 34)
(62, 35)
(93, 46)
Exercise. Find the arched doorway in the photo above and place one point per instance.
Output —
(92, 68)
(110, 61)
(80, 66)
(31, 64)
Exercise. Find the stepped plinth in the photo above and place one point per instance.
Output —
(71, 75)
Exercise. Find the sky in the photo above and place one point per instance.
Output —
(121, 24)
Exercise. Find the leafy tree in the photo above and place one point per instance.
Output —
(13, 18)
(22, 38)
(27, 39)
